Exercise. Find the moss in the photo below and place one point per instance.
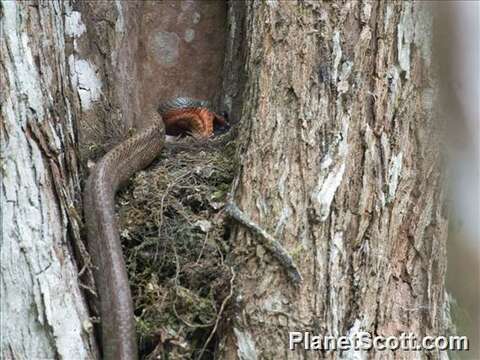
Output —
(174, 235)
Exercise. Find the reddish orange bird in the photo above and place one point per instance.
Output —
(196, 121)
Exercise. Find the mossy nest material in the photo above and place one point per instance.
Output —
(174, 235)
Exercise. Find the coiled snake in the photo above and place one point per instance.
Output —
(179, 116)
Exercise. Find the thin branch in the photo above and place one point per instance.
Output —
(267, 240)
(222, 307)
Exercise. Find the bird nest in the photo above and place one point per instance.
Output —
(175, 238)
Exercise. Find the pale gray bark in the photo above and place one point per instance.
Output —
(43, 312)
(56, 84)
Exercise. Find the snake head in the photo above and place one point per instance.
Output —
(220, 123)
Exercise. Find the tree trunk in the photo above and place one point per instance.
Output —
(43, 311)
(340, 163)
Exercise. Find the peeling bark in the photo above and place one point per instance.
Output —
(340, 161)
(43, 312)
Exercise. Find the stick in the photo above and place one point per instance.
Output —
(267, 240)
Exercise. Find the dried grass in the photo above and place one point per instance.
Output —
(175, 239)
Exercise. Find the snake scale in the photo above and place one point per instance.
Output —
(177, 116)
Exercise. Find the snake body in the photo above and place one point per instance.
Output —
(110, 173)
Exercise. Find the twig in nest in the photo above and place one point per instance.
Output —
(222, 307)
(177, 273)
(170, 185)
(267, 240)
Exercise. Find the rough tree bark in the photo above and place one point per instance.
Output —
(340, 162)
(43, 311)
(68, 80)
(338, 157)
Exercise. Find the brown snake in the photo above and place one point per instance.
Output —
(119, 340)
